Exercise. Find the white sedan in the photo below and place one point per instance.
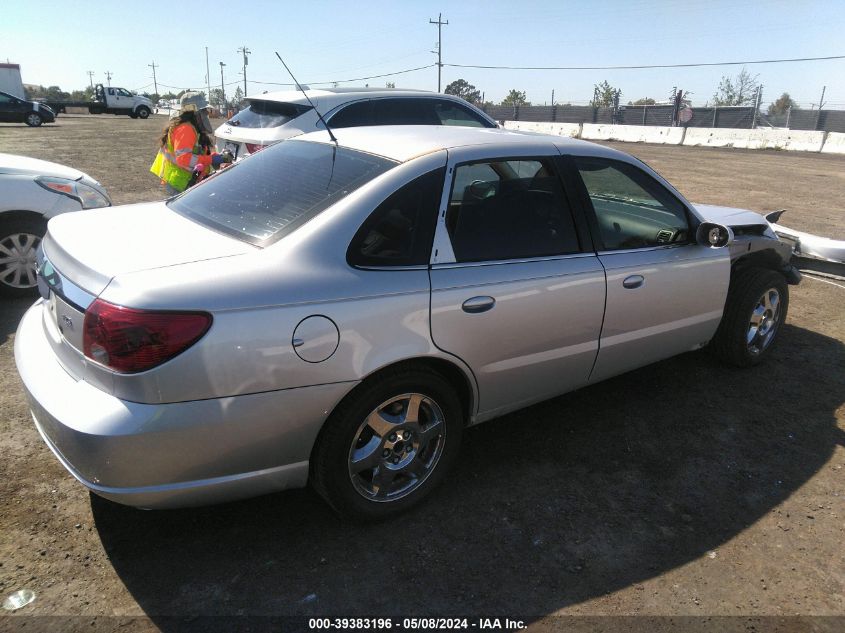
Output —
(31, 192)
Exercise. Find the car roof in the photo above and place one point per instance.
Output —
(331, 97)
(404, 142)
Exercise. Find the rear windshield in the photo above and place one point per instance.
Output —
(271, 194)
(261, 113)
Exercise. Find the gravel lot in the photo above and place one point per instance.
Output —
(684, 489)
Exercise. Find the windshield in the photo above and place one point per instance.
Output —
(264, 198)
(261, 113)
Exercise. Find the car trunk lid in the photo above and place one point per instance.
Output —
(126, 239)
(129, 239)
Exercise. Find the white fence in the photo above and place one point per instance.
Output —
(790, 140)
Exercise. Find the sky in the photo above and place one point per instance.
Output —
(56, 43)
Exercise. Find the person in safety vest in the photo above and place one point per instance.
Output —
(185, 156)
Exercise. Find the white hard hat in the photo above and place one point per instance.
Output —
(192, 102)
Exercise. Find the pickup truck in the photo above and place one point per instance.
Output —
(108, 100)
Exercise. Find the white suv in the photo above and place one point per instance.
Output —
(275, 116)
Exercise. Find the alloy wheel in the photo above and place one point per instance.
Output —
(17, 260)
(397, 447)
(764, 322)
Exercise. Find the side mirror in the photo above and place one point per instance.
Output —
(714, 235)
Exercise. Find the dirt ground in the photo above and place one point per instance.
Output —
(683, 496)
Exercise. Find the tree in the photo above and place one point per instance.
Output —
(643, 102)
(238, 96)
(605, 95)
(782, 104)
(742, 90)
(216, 98)
(515, 98)
(463, 89)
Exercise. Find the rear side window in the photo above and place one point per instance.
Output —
(262, 199)
(449, 113)
(631, 208)
(262, 114)
(509, 209)
(401, 229)
(406, 111)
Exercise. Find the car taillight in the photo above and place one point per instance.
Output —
(130, 341)
(252, 147)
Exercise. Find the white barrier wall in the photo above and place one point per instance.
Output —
(834, 143)
(792, 140)
(796, 140)
(572, 130)
(633, 133)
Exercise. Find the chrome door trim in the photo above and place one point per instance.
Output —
(499, 262)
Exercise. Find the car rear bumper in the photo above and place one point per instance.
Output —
(170, 455)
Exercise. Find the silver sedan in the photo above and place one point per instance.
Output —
(337, 313)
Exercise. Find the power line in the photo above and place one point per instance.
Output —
(318, 83)
(344, 81)
(644, 66)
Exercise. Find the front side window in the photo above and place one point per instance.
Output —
(123, 92)
(631, 208)
(265, 114)
(509, 209)
(267, 197)
(353, 115)
(401, 229)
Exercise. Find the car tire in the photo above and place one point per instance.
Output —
(375, 457)
(143, 112)
(19, 241)
(33, 119)
(755, 310)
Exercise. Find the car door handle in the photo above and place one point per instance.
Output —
(478, 304)
(634, 281)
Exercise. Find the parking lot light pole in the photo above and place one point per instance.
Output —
(222, 85)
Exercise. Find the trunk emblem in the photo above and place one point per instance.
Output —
(67, 321)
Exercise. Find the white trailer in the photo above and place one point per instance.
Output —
(10, 80)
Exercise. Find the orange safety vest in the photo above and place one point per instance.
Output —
(175, 162)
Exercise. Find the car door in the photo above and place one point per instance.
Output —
(516, 293)
(665, 292)
(12, 109)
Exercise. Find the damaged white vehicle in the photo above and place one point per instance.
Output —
(336, 312)
(811, 252)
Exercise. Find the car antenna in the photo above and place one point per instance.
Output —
(298, 85)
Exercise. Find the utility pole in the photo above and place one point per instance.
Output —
(108, 74)
(553, 97)
(439, 24)
(222, 85)
(91, 77)
(207, 76)
(245, 51)
(821, 105)
(155, 83)
(757, 98)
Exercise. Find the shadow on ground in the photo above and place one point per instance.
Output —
(11, 313)
(553, 505)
